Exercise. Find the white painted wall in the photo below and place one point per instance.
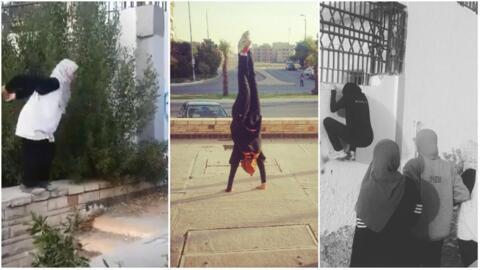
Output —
(440, 88)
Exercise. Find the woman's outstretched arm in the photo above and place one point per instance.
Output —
(24, 85)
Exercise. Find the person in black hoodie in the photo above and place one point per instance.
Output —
(388, 206)
(358, 130)
(246, 119)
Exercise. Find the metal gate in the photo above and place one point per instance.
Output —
(361, 39)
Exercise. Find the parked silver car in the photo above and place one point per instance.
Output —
(202, 109)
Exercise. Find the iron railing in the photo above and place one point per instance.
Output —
(473, 5)
(360, 39)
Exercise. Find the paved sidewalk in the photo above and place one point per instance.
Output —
(248, 227)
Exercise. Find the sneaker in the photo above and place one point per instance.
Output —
(337, 155)
(46, 185)
(350, 156)
(32, 190)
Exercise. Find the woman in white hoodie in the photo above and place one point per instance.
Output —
(39, 118)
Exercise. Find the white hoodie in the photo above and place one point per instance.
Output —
(41, 115)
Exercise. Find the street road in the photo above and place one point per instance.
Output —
(281, 107)
(269, 80)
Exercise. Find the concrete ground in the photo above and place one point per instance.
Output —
(272, 228)
(131, 234)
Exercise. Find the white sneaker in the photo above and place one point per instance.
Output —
(337, 155)
(349, 156)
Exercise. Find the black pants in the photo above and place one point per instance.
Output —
(37, 160)
(428, 253)
(234, 167)
(468, 251)
(301, 83)
(337, 132)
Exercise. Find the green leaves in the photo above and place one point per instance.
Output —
(56, 246)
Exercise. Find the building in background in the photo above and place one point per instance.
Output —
(278, 52)
(282, 51)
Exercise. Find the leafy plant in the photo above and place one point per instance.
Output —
(56, 246)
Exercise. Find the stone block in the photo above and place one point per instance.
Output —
(41, 196)
(59, 191)
(18, 230)
(17, 247)
(106, 193)
(23, 259)
(91, 186)
(39, 208)
(56, 203)
(72, 200)
(75, 189)
(14, 212)
(88, 197)
(104, 184)
(13, 196)
(5, 232)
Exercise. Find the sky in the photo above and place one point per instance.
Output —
(267, 21)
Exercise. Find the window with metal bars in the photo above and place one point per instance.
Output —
(473, 5)
(361, 39)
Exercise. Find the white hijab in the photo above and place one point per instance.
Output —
(64, 72)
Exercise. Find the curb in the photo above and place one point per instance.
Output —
(196, 82)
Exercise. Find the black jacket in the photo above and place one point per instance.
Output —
(357, 114)
(24, 85)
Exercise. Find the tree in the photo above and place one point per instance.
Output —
(180, 60)
(225, 49)
(303, 49)
(207, 58)
(312, 60)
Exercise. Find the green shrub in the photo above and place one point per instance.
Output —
(151, 162)
(56, 247)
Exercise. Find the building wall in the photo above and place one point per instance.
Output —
(143, 32)
(440, 78)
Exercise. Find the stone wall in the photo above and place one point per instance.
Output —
(86, 198)
(220, 127)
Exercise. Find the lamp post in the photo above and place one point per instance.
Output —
(191, 41)
(305, 20)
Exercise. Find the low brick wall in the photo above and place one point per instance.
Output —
(86, 198)
(220, 127)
